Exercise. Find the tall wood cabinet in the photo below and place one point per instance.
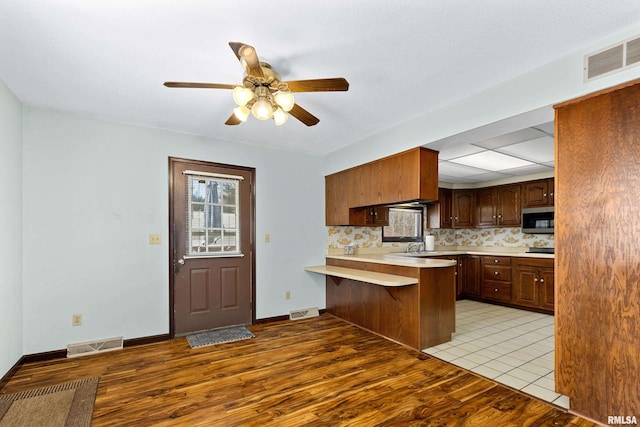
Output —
(597, 252)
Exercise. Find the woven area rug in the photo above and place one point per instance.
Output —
(69, 404)
(218, 336)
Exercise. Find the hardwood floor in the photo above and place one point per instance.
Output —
(320, 371)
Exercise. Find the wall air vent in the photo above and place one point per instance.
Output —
(304, 313)
(612, 59)
(93, 347)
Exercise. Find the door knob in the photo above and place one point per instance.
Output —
(181, 261)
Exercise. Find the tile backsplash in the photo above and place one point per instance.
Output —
(371, 237)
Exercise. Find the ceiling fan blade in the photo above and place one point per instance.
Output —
(233, 120)
(318, 85)
(248, 58)
(200, 85)
(303, 115)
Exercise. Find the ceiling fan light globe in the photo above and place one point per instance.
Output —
(285, 100)
(242, 95)
(262, 109)
(280, 117)
(242, 113)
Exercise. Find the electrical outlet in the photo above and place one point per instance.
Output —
(287, 295)
(76, 320)
(155, 239)
(267, 238)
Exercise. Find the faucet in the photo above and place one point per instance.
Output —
(415, 247)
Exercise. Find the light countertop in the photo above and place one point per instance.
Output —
(395, 259)
(376, 253)
(476, 252)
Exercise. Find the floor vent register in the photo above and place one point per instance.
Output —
(93, 347)
(304, 313)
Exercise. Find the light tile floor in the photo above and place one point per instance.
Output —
(511, 346)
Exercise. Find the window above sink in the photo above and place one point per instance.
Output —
(405, 225)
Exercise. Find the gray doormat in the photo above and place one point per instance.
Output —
(218, 336)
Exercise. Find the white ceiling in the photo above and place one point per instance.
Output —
(403, 58)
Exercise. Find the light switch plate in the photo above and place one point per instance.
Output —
(155, 239)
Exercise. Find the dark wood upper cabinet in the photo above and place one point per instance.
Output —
(336, 199)
(463, 207)
(445, 197)
(498, 206)
(487, 207)
(371, 216)
(509, 205)
(538, 193)
(404, 177)
(440, 214)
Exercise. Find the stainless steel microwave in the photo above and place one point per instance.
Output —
(537, 220)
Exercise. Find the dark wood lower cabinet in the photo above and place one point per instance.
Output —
(496, 278)
(471, 276)
(533, 283)
(459, 272)
(526, 283)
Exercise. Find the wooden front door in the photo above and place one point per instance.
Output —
(212, 246)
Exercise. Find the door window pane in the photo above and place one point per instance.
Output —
(213, 216)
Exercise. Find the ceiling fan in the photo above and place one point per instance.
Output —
(263, 94)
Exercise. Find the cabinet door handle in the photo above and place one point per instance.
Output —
(496, 260)
(541, 280)
(496, 290)
(496, 273)
(544, 195)
(535, 279)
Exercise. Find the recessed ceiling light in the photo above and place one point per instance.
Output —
(492, 161)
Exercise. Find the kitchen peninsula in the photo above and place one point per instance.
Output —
(408, 300)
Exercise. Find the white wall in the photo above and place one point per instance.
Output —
(95, 190)
(538, 89)
(10, 229)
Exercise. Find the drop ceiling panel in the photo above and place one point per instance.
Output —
(491, 161)
(449, 153)
(489, 176)
(456, 179)
(526, 170)
(453, 169)
(511, 138)
(536, 150)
